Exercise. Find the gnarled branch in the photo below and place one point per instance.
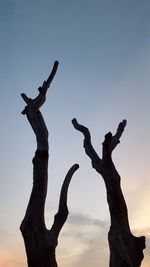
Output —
(34, 104)
(40, 243)
(87, 143)
(125, 249)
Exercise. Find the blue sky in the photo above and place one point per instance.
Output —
(103, 77)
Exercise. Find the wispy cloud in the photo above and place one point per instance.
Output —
(96, 252)
(87, 239)
(89, 242)
(81, 227)
(84, 219)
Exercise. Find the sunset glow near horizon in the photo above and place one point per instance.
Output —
(102, 78)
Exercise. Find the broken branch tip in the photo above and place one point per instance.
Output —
(56, 62)
(124, 122)
(74, 121)
(76, 166)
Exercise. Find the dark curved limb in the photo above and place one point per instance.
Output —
(126, 250)
(90, 151)
(62, 214)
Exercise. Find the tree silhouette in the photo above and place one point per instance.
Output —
(40, 243)
(126, 250)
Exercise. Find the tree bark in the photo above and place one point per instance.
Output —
(40, 243)
(126, 250)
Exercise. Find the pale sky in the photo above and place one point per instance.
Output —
(103, 77)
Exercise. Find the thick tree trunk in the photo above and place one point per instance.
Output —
(126, 250)
(40, 243)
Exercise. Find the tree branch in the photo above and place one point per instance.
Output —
(117, 136)
(62, 213)
(46, 84)
(34, 104)
(110, 141)
(87, 142)
(40, 243)
(34, 116)
(125, 249)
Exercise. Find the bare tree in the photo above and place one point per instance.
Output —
(40, 243)
(126, 250)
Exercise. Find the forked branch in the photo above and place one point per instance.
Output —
(34, 104)
(40, 243)
(125, 249)
(34, 116)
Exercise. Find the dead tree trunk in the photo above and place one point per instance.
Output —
(126, 250)
(40, 243)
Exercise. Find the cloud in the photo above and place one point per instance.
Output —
(88, 242)
(81, 227)
(84, 220)
(84, 242)
(96, 252)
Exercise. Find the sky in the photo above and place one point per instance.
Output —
(103, 77)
